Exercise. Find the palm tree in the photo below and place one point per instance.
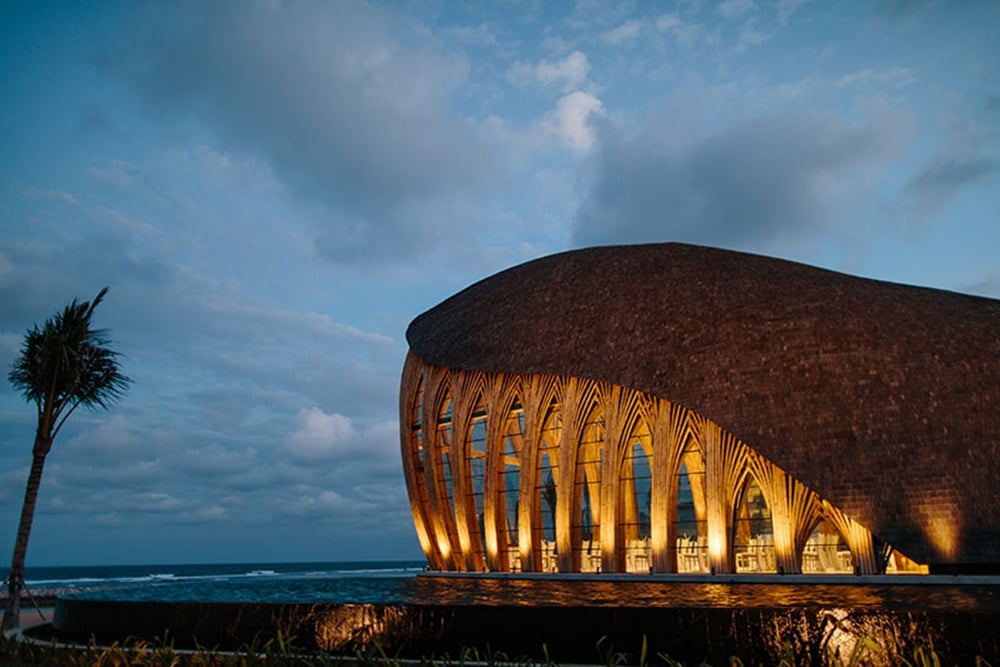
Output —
(62, 366)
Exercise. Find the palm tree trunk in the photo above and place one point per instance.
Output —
(12, 611)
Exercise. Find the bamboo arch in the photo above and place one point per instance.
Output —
(580, 434)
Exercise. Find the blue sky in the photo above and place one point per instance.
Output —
(273, 190)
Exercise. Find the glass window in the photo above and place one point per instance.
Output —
(445, 485)
(547, 481)
(586, 522)
(476, 453)
(510, 484)
(825, 552)
(635, 503)
(753, 534)
(690, 517)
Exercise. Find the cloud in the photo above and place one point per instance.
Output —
(327, 503)
(626, 32)
(209, 514)
(786, 8)
(668, 22)
(154, 502)
(320, 436)
(478, 36)
(745, 185)
(217, 461)
(73, 474)
(889, 77)
(945, 175)
(13, 476)
(751, 35)
(180, 326)
(734, 9)
(572, 120)
(110, 436)
(220, 360)
(115, 174)
(350, 107)
(944, 179)
(685, 33)
(10, 348)
(566, 74)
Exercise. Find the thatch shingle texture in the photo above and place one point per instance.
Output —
(883, 398)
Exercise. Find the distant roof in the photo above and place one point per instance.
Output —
(883, 398)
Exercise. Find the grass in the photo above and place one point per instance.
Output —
(281, 652)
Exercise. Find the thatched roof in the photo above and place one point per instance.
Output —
(883, 398)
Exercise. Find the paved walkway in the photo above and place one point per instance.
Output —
(31, 616)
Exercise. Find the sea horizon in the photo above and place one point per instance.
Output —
(85, 578)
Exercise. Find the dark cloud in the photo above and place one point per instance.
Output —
(351, 108)
(746, 185)
(947, 174)
(44, 276)
(942, 180)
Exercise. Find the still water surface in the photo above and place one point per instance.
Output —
(404, 586)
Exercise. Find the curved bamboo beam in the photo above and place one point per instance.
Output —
(588, 429)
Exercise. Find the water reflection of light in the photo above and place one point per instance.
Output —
(337, 627)
(834, 624)
(647, 591)
(352, 627)
(839, 642)
(573, 590)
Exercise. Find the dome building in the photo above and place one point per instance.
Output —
(674, 408)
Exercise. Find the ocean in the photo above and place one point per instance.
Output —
(349, 581)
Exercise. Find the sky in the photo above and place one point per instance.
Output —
(273, 190)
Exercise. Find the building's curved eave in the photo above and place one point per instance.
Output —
(885, 398)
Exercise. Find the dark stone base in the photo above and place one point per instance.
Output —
(566, 633)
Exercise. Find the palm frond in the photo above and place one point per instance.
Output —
(67, 363)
